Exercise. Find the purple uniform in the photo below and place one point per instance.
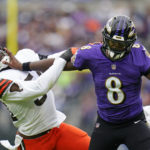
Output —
(118, 83)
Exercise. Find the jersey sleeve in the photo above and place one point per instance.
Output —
(145, 60)
(56, 55)
(32, 89)
(4, 85)
(80, 58)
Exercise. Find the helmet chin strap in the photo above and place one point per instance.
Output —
(5, 58)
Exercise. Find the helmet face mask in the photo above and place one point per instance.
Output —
(3, 57)
(116, 45)
(119, 35)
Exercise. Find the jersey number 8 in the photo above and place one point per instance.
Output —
(114, 94)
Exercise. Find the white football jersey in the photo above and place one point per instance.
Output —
(33, 108)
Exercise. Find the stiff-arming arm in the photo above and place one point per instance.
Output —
(24, 90)
(41, 65)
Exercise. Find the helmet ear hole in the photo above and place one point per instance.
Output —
(119, 30)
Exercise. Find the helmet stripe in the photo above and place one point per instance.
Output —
(123, 27)
(118, 26)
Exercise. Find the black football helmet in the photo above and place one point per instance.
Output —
(119, 35)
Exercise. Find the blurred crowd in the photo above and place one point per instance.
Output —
(52, 26)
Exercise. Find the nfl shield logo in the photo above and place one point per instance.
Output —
(113, 67)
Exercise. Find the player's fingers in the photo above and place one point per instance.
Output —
(8, 52)
(6, 63)
(9, 64)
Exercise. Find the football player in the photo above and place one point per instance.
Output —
(117, 65)
(29, 98)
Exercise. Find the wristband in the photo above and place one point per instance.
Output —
(26, 66)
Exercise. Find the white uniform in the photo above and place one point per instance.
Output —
(32, 112)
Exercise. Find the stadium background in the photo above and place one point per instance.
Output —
(49, 26)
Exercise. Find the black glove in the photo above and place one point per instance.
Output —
(67, 55)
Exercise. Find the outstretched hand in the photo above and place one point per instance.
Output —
(13, 63)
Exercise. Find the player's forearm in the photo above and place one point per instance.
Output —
(41, 65)
(69, 67)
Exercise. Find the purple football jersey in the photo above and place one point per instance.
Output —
(118, 83)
